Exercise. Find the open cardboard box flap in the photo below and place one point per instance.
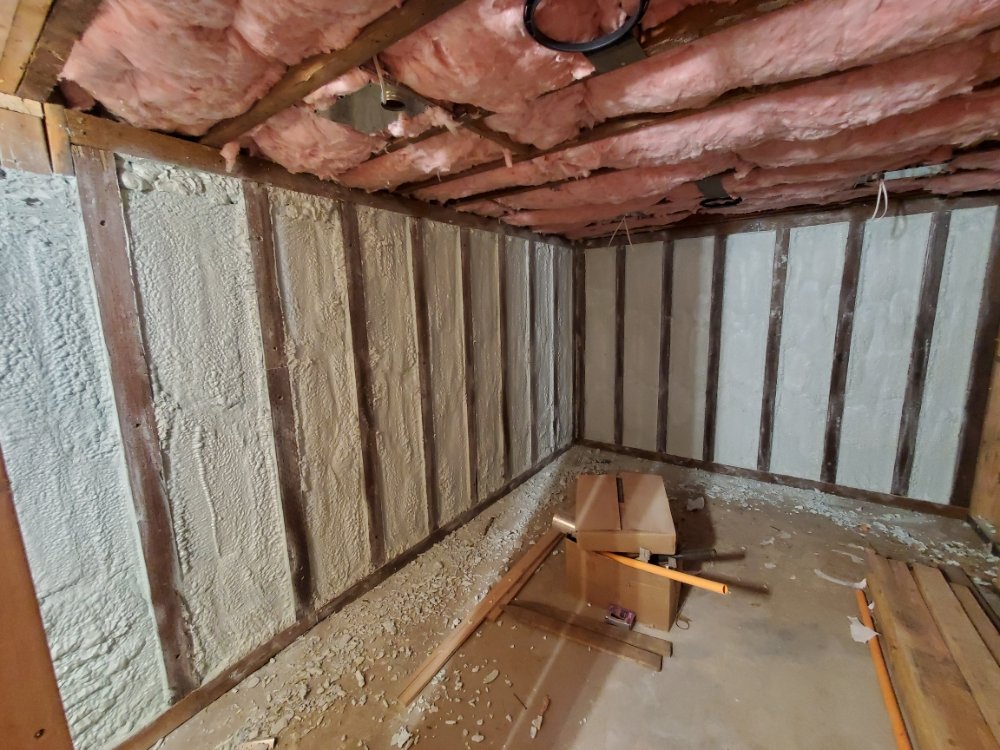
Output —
(641, 520)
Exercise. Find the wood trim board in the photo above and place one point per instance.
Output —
(666, 322)
(469, 344)
(714, 344)
(772, 356)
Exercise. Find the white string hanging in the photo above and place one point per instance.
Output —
(881, 200)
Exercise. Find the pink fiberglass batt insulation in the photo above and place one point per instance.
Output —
(435, 156)
(157, 71)
(802, 40)
(578, 214)
(958, 121)
(291, 30)
(811, 111)
(300, 141)
(479, 53)
(982, 160)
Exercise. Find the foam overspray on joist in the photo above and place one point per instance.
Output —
(313, 280)
(809, 321)
(196, 283)
(565, 395)
(949, 362)
(544, 354)
(518, 369)
(443, 279)
(599, 354)
(892, 259)
(395, 386)
(484, 266)
(643, 290)
(62, 443)
(745, 314)
(691, 311)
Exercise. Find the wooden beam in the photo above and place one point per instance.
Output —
(714, 345)
(533, 390)
(920, 351)
(779, 274)
(633, 637)
(31, 711)
(979, 619)
(934, 696)
(784, 480)
(579, 339)
(25, 28)
(60, 153)
(666, 322)
(121, 321)
(374, 502)
(985, 500)
(469, 343)
(842, 348)
(22, 142)
(65, 23)
(974, 660)
(279, 392)
(107, 135)
(304, 78)
(503, 247)
(619, 394)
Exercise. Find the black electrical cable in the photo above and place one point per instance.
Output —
(594, 45)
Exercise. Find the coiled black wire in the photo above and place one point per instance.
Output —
(592, 46)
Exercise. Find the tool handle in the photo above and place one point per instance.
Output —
(676, 575)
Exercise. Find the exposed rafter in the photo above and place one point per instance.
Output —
(65, 23)
(302, 79)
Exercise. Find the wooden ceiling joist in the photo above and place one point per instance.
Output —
(302, 79)
(65, 23)
(21, 23)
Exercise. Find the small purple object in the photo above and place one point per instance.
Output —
(623, 618)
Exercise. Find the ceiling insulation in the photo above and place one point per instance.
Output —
(799, 103)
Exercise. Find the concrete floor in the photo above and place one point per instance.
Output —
(770, 666)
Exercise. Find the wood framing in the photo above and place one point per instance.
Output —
(505, 370)
(120, 310)
(23, 145)
(279, 391)
(26, 25)
(417, 266)
(714, 344)
(363, 379)
(302, 79)
(985, 500)
(779, 274)
(920, 351)
(60, 154)
(533, 389)
(619, 395)
(666, 322)
(31, 711)
(469, 344)
(579, 340)
(64, 24)
(842, 348)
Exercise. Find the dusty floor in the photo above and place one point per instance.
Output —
(771, 666)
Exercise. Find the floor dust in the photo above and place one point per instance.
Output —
(771, 666)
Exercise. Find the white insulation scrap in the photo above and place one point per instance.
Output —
(862, 584)
(861, 633)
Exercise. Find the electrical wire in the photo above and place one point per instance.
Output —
(594, 45)
(881, 200)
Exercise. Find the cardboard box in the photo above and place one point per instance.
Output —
(638, 518)
(600, 581)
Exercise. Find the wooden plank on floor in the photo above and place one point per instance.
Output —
(25, 28)
(639, 640)
(585, 636)
(534, 557)
(22, 142)
(974, 660)
(935, 697)
(31, 711)
(121, 322)
(979, 619)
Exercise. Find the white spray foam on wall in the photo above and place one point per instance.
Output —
(518, 387)
(691, 307)
(892, 263)
(746, 308)
(485, 285)
(544, 349)
(64, 457)
(809, 324)
(443, 274)
(948, 368)
(196, 281)
(312, 276)
(392, 348)
(599, 350)
(641, 390)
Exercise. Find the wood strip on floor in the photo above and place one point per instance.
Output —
(639, 640)
(585, 637)
(974, 660)
(982, 624)
(935, 698)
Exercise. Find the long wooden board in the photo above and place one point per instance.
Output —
(974, 660)
(585, 636)
(439, 657)
(982, 624)
(936, 700)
